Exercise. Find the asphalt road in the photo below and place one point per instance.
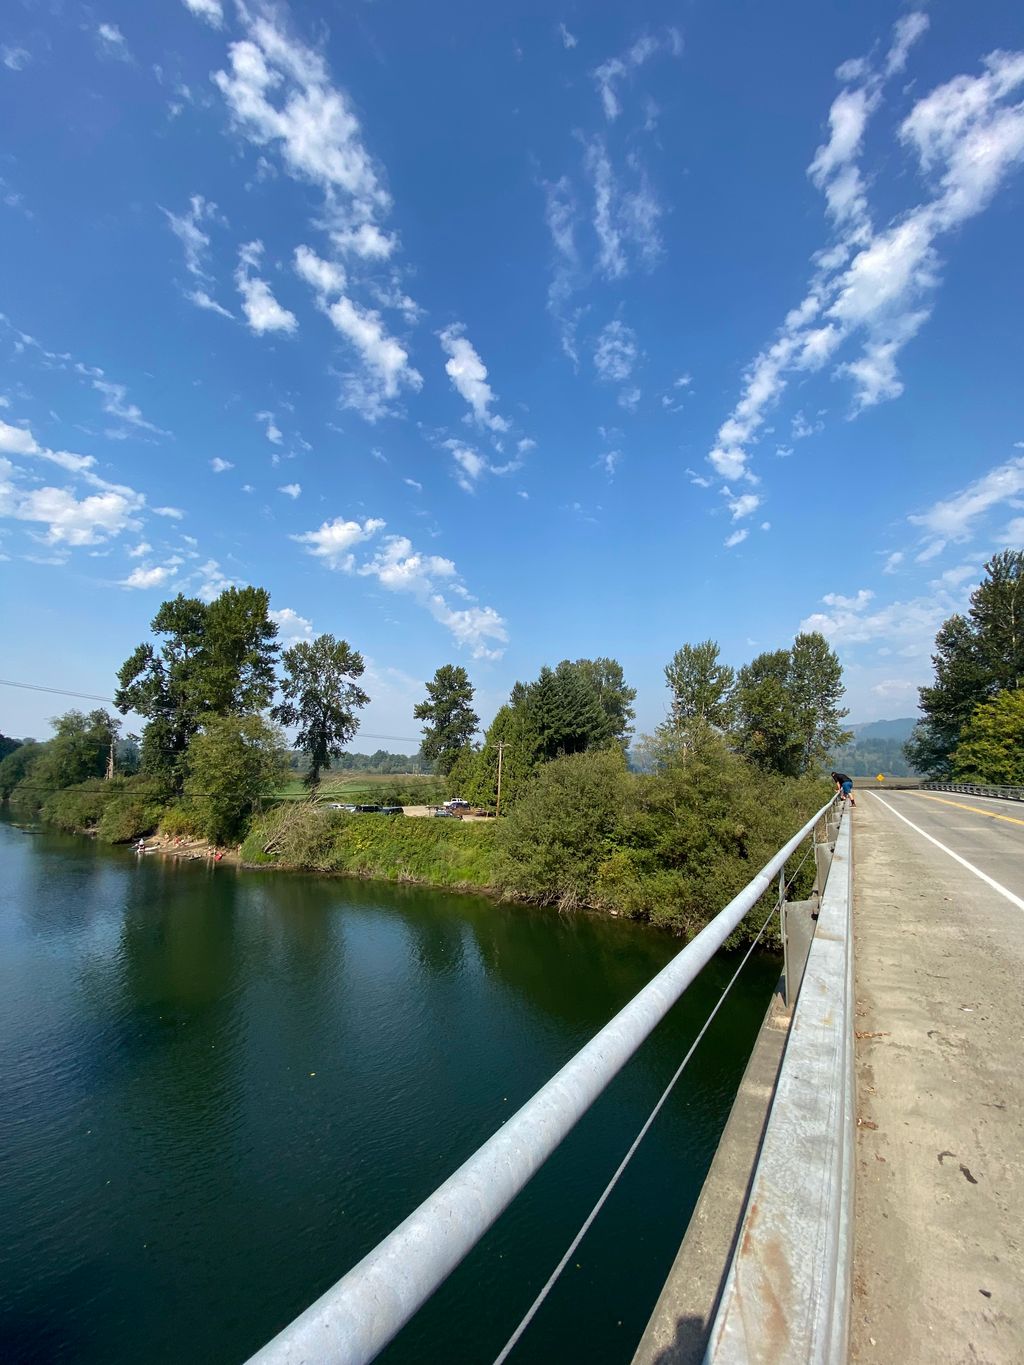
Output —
(939, 962)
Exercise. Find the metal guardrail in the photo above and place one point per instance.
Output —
(975, 789)
(355, 1319)
(787, 1294)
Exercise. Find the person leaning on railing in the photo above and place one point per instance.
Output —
(844, 786)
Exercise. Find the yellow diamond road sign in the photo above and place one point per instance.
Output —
(880, 777)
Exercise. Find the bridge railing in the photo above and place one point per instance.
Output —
(975, 789)
(357, 1317)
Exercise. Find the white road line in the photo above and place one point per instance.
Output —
(996, 886)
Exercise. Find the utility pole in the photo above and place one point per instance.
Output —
(110, 760)
(501, 750)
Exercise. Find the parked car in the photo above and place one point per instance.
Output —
(457, 803)
(391, 810)
(366, 810)
(441, 813)
(336, 805)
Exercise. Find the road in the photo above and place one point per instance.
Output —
(939, 944)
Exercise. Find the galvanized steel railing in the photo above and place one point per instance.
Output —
(354, 1320)
(975, 789)
(786, 1298)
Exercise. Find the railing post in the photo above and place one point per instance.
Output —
(784, 930)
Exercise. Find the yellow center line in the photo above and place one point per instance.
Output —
(992, 815)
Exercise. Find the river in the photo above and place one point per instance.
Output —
(219, 1088)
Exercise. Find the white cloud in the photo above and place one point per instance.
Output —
(291, 627)
(892, 688)
(17, 441)
(210, 10)
(611, 73)
(568, 39)
(368, 242)
(172, 513)
(700, 480)
(906, 32)
(149, 578)
(15, 58)
(262, 311)
(280, 95)
(325, 277)
(954, 518)
(400, 568)
(273, 431)
(1013, 535)
(610, 461)
(876, 285)
(469, 465)
(115, 402)
(202, 299)
(111, 42)
(630, 398)
(69, 520)
(137, 551)
(220, 466)
(334, 541)
(468, 374)
(737, 538)
(616, 352)
(214, 581)
(386, 362)
(625, 222)
(291, 490)
(412, 483)
(893, 561)
(858, 603)
(744, 506)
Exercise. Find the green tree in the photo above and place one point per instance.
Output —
(235, 762)
(976, 657)
(552, 844)
(768, 728)
(321, 699)
(701, 687)
(451, 720)
(564, 713)
(512, 728)
(991, 747)
(17, 765)
(8, 746)
(215, 658)
(816, 687)
(604, 677)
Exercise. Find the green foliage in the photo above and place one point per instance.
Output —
(512, 727)
(235, 762)
(868, 756)
(184, 819)
(787, 713)
(16, 766)
(321, 699)
(701, 687)
(116, 811)
(451, 720)
(216, 659)
(552, 845)
(991, 747)
(976, 657)
(446, 853)
(604, 679)
(8, 746)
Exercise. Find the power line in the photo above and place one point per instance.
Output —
(91, 696)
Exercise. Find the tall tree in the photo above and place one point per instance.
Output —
(976, 657)
(701, 687)
(451, 720)
(991, 747)
(321, 698)
(605, 679)
(234, 763)
(767, 725)
(816, 686)
(215, 658)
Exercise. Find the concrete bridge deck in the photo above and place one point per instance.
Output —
(939, 961)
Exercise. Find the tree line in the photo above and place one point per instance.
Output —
(973, 712)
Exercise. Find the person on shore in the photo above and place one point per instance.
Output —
(844, 786)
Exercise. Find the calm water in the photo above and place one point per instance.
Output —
(219, 1089)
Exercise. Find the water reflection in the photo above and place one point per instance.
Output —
(218, 1089)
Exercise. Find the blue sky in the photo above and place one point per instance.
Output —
(502, 334)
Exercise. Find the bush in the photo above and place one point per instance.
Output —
(182, 820)
(563, 827)
(434, 852)
(117, 810)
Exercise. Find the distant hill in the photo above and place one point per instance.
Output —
(877, 747)
(885, 729)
